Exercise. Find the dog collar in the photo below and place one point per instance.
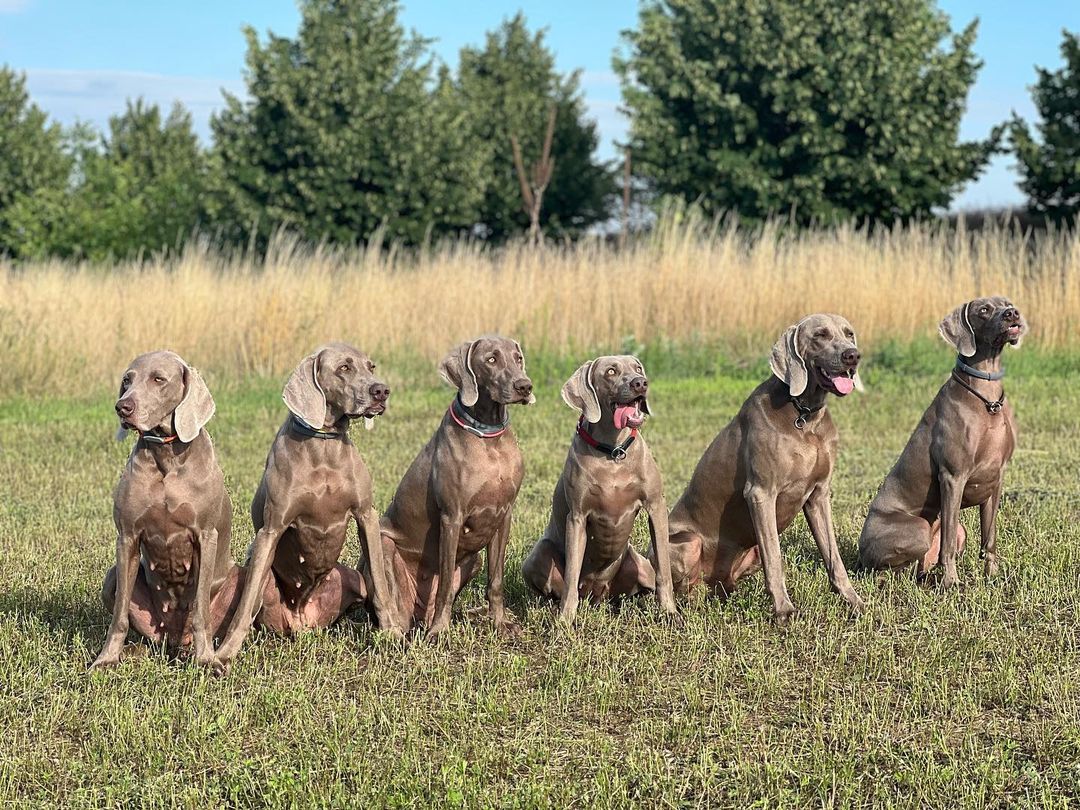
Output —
(804, 412)
(974, 372)
(992, 406)
(150, 438)
(305, 429)
(614, 452)
(467, 421)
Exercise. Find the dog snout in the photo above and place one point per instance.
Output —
(125, 408)
(639, 386)
(850, 357)
(1012, 315)
(380, 392)
(523, 386)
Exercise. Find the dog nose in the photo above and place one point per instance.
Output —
(850, 357)
(1011, 314)
(380, 392)
(639, 385)
(125, 407)
(523, 386)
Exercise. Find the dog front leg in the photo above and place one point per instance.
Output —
(496, 565)
(988, 512)
(127, 569)
(377, 572)
(574, 544)
(952, 490)
(450, 525)
(658, 530)
(762, 505)
(204, 583)
(818, 513)
(258, 569)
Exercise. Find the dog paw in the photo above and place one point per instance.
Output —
(508, 628)
(783, 614)
(990, 566)
(104, 662)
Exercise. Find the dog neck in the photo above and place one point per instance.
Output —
(605, 431)
(486, 418)
(982, 376)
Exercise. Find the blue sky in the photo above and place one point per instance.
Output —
(82, 58)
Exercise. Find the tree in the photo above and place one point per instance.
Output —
(136, 190)
(1050, 170)
(345, 131)
(508, 87)
(32, 157)
(824, 111)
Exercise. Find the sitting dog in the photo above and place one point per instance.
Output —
(773, 459)
(314, 482)
(174, 579)
(955, 458)
(608, 477)
(456, 498)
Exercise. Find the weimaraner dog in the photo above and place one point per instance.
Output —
(773, 459)
(456, 498)
(174, 579)
(608, 477)
(955, 458)
(314, 482)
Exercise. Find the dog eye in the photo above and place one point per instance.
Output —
(821, 333)
(983, 310)
(343, 368)
(610, 371)
(159, 380)
(371, 366)
(491, 359)
(849, 333)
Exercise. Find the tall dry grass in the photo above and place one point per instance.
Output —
(64, 328)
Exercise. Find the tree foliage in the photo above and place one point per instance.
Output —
(1050, 167)
(828, 110)
(508, 87)
(346, 130)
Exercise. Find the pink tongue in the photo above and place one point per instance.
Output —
(623, 414)
(843, 384)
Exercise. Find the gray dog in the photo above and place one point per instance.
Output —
(957, 455)
(773, 459)
(174, 580)
(608, 477)
(457, 496)
(315, 481)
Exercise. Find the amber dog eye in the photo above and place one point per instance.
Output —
(491, 359)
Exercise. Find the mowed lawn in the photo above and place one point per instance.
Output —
(967, 698)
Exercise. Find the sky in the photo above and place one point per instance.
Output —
(83, 59)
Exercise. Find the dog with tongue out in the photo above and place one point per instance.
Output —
(774, 459)
(609, 477)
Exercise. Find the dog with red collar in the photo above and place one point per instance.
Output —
(609, 477)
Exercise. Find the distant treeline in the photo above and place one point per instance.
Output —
(352, 129)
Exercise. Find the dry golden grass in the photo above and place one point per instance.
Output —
(63, 328)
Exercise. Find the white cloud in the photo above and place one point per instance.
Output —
(94, 95)
(13, 6)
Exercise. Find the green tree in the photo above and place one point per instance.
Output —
(827, 111)
(346, 129)
(1050, 169)
(508, 87)
(32, 156)
(136, 190)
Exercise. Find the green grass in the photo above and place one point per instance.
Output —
(968, 698)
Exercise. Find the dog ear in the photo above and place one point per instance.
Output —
(787, 363)
(195, 409)
(580, 394)
(957, 332)
(304, 396)
(456, 368)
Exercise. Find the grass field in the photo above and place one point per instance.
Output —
(970, 698)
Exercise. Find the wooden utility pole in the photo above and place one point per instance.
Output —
(535, 184)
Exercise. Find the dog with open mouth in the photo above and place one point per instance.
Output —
(772, 460)
(956, 456)
(608, 478)
(314, 483)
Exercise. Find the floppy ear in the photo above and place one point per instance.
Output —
(303, 395)
(957, 332)
(456, 369)
(580, 394)
(195, 409)
(787, 361)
